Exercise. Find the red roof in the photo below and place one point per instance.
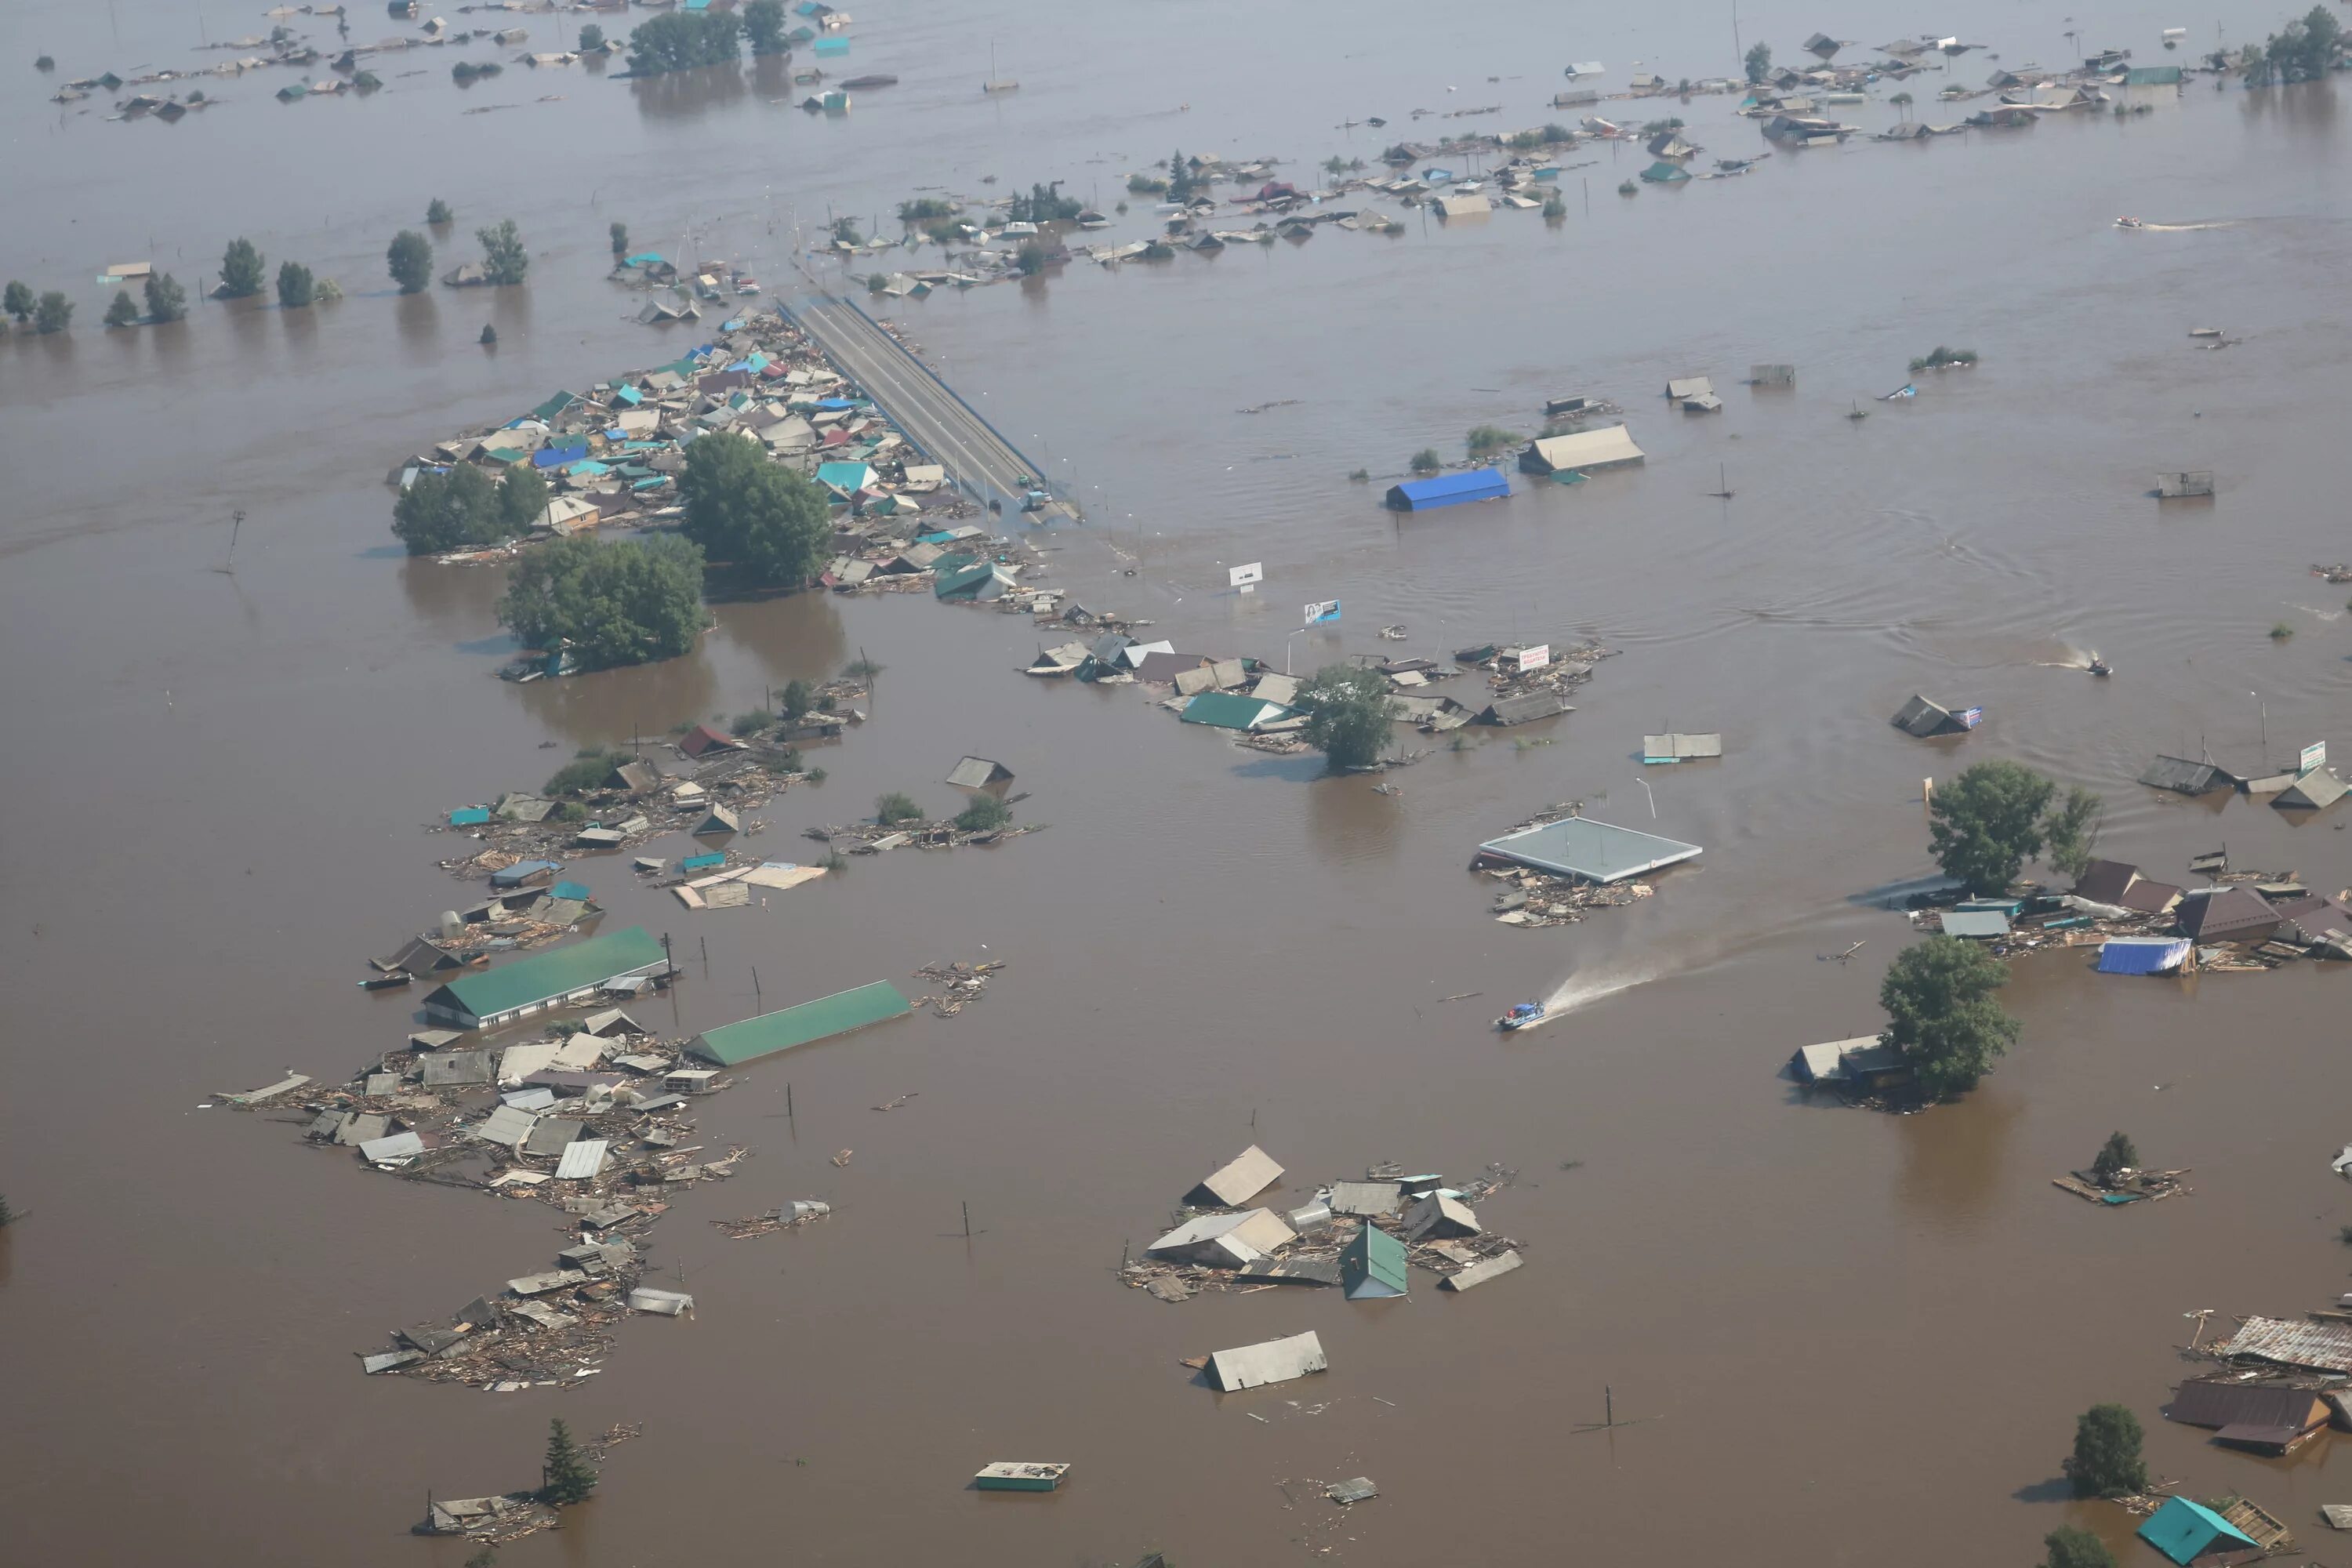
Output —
(702, 738)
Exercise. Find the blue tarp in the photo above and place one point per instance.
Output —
(2142, 955)
(836, 404)
(645, 259)
(1449, 490)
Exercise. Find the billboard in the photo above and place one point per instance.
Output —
(2314, 755)
(1322, 612)
(1533, 658)
(1242, 576)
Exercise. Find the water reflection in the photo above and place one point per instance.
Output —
(1346, 819)
(456, 602)
(612, 705)
(418, 319)
(1955, 1156)
(688, 95)
(798, 637)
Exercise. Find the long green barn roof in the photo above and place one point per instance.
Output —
(544, 975)
(731, 1045)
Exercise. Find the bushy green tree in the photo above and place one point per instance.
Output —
(53, 312)
(591, 38)
(2106, 1461)
(1044, 204)
(166, 300)
(437, 212)
(984, 814)
(2069, 1547)
(1987, 823)
(620, 237)
(296, 287)
(764, 521)
(894, 808)
(1348, 712)
(569, 1478)
(1030, 259)
(2305, 49)
(763, 24)
(409, 259)
(445, 511)
(1759, 62)
(1426, 461)
(504, 259)
(2071, 831)
(123, 312)
(627, 603)
(795, 698)
(1938, 996)
(682, 40)
(522, 499)
(242, 274)
(17, 302)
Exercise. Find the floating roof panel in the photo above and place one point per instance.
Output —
(1593, 851)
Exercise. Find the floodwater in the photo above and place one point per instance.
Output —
(1852, 1338)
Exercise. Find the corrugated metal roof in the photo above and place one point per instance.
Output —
(399, 1146)
(1583, 450)
(2315, 791)
(552, 1135)
(2321, 1347)
(506, 1125)
(457, 1068)
(544, 976)
(1671, 748)
(2182, 776)
(1372, 1266)
(1595, 851)
(974, 773)
(2105, 881)
(1477, 1273)
(1524, 709)
(1978, 924)
(1232, 711)
(582, 1159)
(2223, 912)
(731, 1045)
(1274, 1361)
(1369, 1199)
(1449, 490)
(2206, 1403)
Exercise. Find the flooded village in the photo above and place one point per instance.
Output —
(1462, 739)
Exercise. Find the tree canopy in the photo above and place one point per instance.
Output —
(53, 312)
(17, 302)
(438, 212)
(627, 603)
(766, 521)
(1759, 62)
(123, 312)
(1348, 714)
(296, 287)
(2116, 1156)
(1985, 825)
(504, 259)
(241, 270)
(1943, 1017)
(166, 300)
(2070, 1547)
(763, 24)
(681, 40)
(569, 1479)
(444, 512)
(592, 40)
(410, 260)
(2305, 49)
(1044, 204)
(523, 499)
(2105, 1461)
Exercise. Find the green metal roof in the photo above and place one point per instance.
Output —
(1375, 1257)
(1232, 711)
(546, 976)
(2181, 1529)
(553, 405)
(2152, 76)
(730, 1045)
(948, 582)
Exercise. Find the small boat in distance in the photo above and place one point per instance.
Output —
(2129, 223)
(2100, 666)
(1520, 1016)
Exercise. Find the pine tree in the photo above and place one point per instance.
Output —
(569, 1479)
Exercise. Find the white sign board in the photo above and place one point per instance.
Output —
(1242, 576)
(1533, 658)
(2314, 755)
(1323, 611)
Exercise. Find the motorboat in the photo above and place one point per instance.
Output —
(2100, 666)
(2129, 223)
(1520, 1016)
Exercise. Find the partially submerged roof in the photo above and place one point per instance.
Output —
(1594, 851)
(2105, 881)
(1673, 748)
(1247, 1174)
(1523, 709)
(1478, 1273)
(1372, 1266)
(544, 976)
(1979, 923)
(1449, 490)
(977, 772)
(1225, 1239)
(2316, 790)
(1922, 718)
(1274, 1361)
(730, 1045)
(2182, 777)
(2183, 1530)
(1584, 450)
(1232, 711)
(2205, 1403)
(2222, 912)
(2314, 1346)
(1367, 1199)
(2142, 955)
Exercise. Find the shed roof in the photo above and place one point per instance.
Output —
(1595, 851)
(1232, 711)
(976, 773)
(1274, 1361)
(2150, 897)
(584, 1159)
(1244, 1176)
(1369, 1199)
(2182, 776)
(2203, 1403)
(1524, 709)
(1975, 923)
(2317, 1346)
(1922, 718)
(544, 976)
(1673, 748)
(1478, 1273)
(731, 1045)
(2105, 881)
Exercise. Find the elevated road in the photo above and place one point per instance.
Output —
(980, 462)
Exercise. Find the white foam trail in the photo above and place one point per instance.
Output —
(2187, 227)
(1583, 989)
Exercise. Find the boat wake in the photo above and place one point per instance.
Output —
(2187, 227)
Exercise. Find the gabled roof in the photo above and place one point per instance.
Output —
(2182, 776)
(2208, 1403)
(1247, 1174)
(2316, 790)
(1585, 449)
(1274, 1361)
(733, 1044)
(2225, 912)
(702, 738)
(2105, 881)
(1232, 711)
(1922, 718)
(1449, 490)
(2181, 1529)
(975, 772)
(1372, 1266)
(543, 977)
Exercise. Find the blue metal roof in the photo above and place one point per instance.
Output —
(2181, 1529)
(2142, 955)
(569, 890)
(1449, 490)
(1975, 922)
(469, 817)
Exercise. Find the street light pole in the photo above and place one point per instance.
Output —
(1654, 799)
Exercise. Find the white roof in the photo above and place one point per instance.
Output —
(1464, 206)
(520, 1062)
(1477, 1273)
(1276, 1361)
(1261, 1228)
(1690, 387)
(506, 1125)
(583, 1158)
(1249, 1173)
(1589, 448)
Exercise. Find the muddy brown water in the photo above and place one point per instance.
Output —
(1857, 1338)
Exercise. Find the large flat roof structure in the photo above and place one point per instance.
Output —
(1593, 851)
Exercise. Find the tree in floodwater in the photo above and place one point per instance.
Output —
(763, 24)
(242, 276)
(628, 602)
(2116, 1156)
(409, 260)
(2106, 1461)
(1942, 1014)
(756, 516)
(1348, 712)
(53, 312)
(123, 312)
(1987, 823)
(166, 300)
(437, 213)
(523, 499)
(2069, 1547)
(296, 287)
(620, 233)
(17, 302)
(1759, 62)
(444, 512)
(504, 259)
(569, 1479)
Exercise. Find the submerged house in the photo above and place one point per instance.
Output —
(2264, 1418)
(2230, 914)
(1923, 719)
(1582, 453)
(1586, 850)
(1449, 490)
(546, 980)
(2194, 1536)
